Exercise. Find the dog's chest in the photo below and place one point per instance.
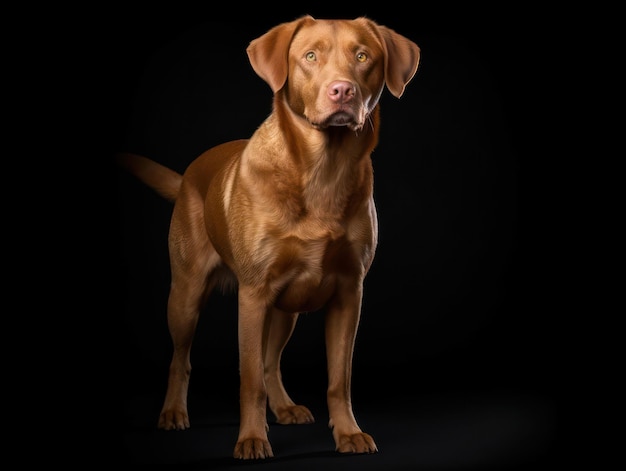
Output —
(304, 272)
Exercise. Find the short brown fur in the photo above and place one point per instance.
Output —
(287, 217)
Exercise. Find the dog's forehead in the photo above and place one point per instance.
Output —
(325, 34)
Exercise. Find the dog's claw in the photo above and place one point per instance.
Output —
(295, 415)
(253, 449)
(356, 443)
(173, 421)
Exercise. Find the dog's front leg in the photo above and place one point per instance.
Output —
(252, 442)
(342, 320)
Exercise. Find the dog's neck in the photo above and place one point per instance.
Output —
(325, 170)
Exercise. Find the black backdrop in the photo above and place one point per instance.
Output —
(454, 303)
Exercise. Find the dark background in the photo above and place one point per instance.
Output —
(454, 366)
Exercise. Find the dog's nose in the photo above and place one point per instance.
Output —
(341, 91)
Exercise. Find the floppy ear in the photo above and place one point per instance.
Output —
(402, 57)
(268, 54)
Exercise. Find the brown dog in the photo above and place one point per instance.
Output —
(287, 217)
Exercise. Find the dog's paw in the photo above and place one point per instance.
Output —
(356, 443)
(294, 415)
(253, 449)
(174, 420)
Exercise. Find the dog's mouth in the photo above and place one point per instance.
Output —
(339, 118)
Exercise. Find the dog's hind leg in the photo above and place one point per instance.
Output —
(278, 329)
(192, 260)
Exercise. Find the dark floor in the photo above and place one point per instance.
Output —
(444, 429)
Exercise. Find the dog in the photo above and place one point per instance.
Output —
(287, 218)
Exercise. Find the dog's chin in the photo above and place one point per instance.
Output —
(338, 119)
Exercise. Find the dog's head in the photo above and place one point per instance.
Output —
(332, 72)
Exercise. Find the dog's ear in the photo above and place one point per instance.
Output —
(402, 58)
(269, 53)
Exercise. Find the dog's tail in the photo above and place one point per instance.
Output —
(166, 182)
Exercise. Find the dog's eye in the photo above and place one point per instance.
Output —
(310, 56)
(361, 57)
